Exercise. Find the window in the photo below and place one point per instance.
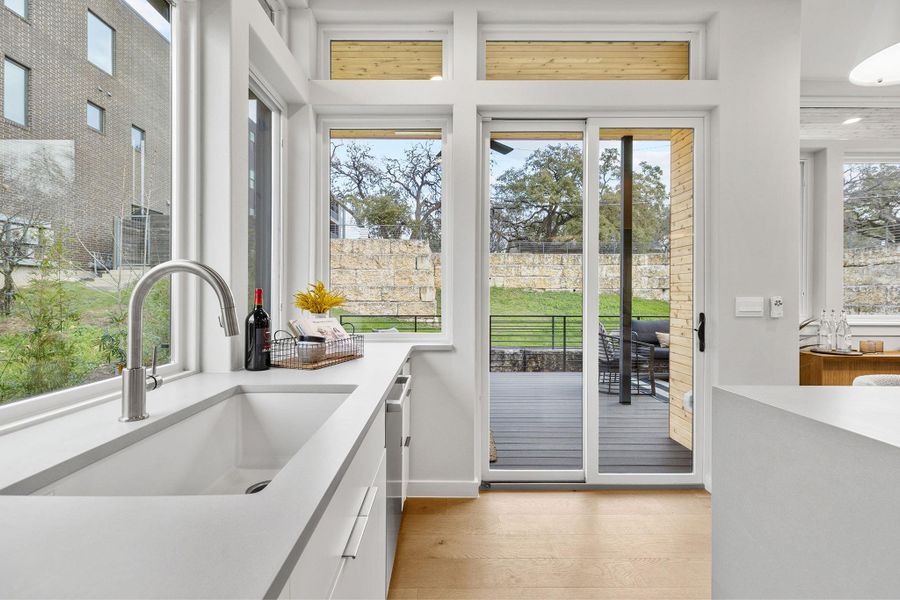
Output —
(96, 117)
(259, 197)
(386, 200)
(20, 7)
(872, 236)
(386, 59)
(138, 138)
(100, 43)
(73, 239)
(586, 60)
(15, 92)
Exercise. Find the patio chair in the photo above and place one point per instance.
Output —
(642, 363)
(645, 331)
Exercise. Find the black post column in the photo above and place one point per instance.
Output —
(625, 273)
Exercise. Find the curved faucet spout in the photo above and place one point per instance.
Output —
(134, 386)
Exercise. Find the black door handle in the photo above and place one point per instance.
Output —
(701, 332)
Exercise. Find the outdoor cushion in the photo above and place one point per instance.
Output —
(645, 331)
(661, 354)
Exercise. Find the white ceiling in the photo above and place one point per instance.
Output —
(832, 31)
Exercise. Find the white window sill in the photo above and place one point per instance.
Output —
(418, 341)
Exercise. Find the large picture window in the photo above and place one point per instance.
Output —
(385, 201)
(872, 236)
(83, 216)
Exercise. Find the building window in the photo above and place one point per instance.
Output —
(20, 7)
(72, 245)
(96, 117)
(386, 203)
(15, 92)
(872, 236)
(386, 59)
(586, 60)
(100, 43)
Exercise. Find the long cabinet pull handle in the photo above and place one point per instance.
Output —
(351, 549)
(407, 441)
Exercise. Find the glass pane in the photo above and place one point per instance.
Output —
(259, 196)
(15, 92)
(648, 429)
(586, 60)
(81, 221)
(100, 43)
(385, 223)
(872, 237)
(20, 7)
(536, 276)
(387, 59)
(94, 117)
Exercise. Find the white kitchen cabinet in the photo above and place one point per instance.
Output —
(362, 571)
(318, 569)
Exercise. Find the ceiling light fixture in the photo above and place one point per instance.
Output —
(878, 60)
(852, 121)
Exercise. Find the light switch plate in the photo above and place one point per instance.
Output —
(749, 306)
(776, 307)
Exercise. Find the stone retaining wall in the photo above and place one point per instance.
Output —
(872, 280)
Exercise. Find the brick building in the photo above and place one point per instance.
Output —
(94, 146)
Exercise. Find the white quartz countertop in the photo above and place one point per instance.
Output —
(212, 546)
(872, 412)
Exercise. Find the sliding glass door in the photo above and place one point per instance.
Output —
(592, 348)
(535, 191)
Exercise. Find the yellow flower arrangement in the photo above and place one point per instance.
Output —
(318, 299)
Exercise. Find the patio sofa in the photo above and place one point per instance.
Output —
(645, 331)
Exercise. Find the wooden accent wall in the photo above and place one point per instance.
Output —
(681, 281)
(592, 60)
(386, 59)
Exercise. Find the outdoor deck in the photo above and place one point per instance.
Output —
(536, 421)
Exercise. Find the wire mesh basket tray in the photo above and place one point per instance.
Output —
(289, 352)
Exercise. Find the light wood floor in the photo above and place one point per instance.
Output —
(546, 545)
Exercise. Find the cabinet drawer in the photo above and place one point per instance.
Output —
(318, 567)
(362, 570)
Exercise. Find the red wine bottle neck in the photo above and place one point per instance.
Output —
(257, 298)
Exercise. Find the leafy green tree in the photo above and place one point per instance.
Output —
(395, 198)
(541, 201)
(872, 203)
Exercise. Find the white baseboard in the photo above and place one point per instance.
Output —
(425, 488)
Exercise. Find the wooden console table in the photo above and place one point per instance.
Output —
(830, 369)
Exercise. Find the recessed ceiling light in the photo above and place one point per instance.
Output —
(437, 78)
(852, 120)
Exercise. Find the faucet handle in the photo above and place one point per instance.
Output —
(153, 380)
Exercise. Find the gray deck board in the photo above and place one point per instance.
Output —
(536, 419)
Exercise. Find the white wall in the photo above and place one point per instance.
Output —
(753, 219)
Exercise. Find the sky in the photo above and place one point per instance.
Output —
(151, 16)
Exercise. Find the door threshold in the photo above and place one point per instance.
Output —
(575, 486)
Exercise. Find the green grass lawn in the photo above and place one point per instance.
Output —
(538, 329)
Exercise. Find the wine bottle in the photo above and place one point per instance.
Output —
(257, 356)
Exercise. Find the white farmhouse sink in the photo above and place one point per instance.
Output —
(241, 440)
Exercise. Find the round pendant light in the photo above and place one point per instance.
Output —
(878, 60)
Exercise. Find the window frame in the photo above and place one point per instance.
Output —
(321, 231)
(806, 235)
(185, 294)
(102, 112)
(87, 37)
(374, 33)
(694, 33)
(27, 92)
(27, 10)
(265, 93)
(887, 156)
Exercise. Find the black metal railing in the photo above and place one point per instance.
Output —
(555, 332)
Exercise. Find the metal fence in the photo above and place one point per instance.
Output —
(141, 240)
(554, 332)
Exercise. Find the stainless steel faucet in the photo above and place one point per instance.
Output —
(135, 381)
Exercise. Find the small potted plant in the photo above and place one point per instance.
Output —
(318, 299)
